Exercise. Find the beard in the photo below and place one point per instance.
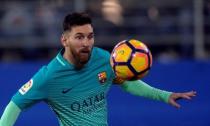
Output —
(81, 56)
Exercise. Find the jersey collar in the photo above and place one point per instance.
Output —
(60, 58)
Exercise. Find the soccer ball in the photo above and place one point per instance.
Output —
(131, 60)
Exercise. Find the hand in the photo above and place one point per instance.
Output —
(176, 96)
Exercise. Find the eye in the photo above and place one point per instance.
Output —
(79, 37)
(90, 36)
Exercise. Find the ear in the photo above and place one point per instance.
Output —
(63, 40)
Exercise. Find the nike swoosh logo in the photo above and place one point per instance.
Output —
(66, 90)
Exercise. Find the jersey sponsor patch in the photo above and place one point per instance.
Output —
(26, 87)
(102, 77)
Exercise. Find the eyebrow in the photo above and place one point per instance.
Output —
(79, 33)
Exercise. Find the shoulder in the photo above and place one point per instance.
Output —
(55, 65)
(44, 74)
(41, 76)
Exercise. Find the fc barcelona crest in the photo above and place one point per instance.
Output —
(102, 77)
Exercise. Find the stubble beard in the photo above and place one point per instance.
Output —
(78, 61)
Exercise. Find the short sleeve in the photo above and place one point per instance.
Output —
(35, 90)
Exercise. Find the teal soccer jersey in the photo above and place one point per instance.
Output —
(78, 97)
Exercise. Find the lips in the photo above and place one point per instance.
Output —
(85, 51)
(84, 55)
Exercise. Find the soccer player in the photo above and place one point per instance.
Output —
(76, 82)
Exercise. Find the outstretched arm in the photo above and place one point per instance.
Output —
(10, 114)
(140, 88)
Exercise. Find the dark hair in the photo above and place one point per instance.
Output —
(76, 19)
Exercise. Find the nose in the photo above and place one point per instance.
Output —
(85, 42)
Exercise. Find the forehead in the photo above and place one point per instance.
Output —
(84, 29)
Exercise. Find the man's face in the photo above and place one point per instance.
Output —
(79, 43)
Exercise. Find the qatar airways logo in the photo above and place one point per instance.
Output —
(89, 104)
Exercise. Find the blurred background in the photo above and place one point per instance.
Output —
(177, 33)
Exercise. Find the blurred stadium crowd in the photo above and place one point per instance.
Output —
(30, 30)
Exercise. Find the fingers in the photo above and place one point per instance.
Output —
(191, 93)
(175, 104)
(188, 95)
(176, 96)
